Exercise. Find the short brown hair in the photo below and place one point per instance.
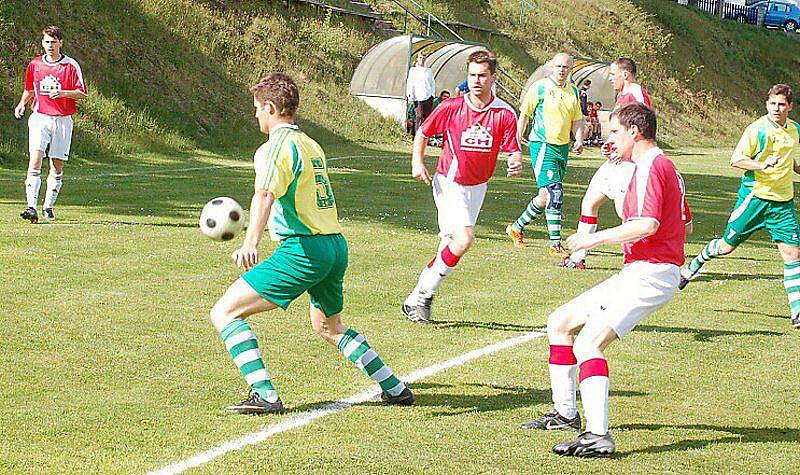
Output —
(53, 31)
(483, 56)
(626, 64)
(639, 115)
(279, 89)
(781, 90)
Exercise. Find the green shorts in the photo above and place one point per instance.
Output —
(752, 213)
(313, 264)
(549, 162)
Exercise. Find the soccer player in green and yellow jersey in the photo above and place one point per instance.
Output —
(766, 195)
(555, 108)
(293, 196)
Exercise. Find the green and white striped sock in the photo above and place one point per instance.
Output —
(709, 252)
(532, 212)
(355, 347)
(791, 281)
(553, 225)
(241, 343)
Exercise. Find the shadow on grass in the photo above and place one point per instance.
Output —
(735, 311)
(735, 435)
(703, 334)
(509, 327)
(712, 276)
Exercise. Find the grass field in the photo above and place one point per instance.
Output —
(110, 365)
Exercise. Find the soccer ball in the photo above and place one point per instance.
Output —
(221, 219)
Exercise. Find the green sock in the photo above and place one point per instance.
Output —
(791, 281)
(241, 343)
(553, 226)
(532, 212)
(353, 345)
(709, 252)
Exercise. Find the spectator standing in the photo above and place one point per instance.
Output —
(420, 90)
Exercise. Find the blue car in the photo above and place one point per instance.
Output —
(777, 14)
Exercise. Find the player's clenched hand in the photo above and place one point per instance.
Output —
(577, 149)
(770, 161)
(419, 172)
(245, 257)
(19, 111)
(514, 166)
(581, 241)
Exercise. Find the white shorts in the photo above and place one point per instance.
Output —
(626, 298)
(458, 205)
(612, 180)
(47, 130)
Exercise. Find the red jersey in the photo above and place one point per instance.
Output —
(472, 138)
(631, 94)
(42, 77)
(657, 192)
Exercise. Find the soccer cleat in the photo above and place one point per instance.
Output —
(558, 250)
(554, 421)
(686, 277)
(48, 214)
(796, 321)
(255, 405)
(516, 237)
(405, 398)
(587, 445)
(30, 214)
(420, 313)
(568, 263)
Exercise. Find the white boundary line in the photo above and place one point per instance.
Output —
(306, 417)
(190, 169)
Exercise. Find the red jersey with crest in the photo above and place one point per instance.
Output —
(657, 192)
(631, 94)
(43, 77)
(472, 137)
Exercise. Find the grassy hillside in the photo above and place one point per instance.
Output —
(166, 81)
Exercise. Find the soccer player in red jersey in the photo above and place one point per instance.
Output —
(656, 219)
(476, 128)
(610, 180)
(55, 82)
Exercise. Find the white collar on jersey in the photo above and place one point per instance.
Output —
(492, 103)
(283, 126)
(631, 86)
(651, 154)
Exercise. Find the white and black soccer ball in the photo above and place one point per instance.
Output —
(221, 219)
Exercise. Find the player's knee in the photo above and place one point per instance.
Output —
(221, 315)
(462, 241)
(555, 196)
(329, 329)
(789, 253)
(590, 205)
(584, 348)
(725, 248)
(558, 323)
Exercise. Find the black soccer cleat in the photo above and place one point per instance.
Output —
(554, 421)
(421, 312)
(48, 214)
(30, 214)
(405, 398)
(256, 405)
(587, 445)
(796, 321)
(685, 279)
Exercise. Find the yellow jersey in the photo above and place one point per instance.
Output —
(552, 108)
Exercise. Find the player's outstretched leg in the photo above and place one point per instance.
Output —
(714, 248)
(355, 348)
(535, 208)
(228, 318)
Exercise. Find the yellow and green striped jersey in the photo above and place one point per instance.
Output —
(553, 109)
(762, 139)
(293, 167)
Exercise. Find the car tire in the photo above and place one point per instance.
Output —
(790, 26)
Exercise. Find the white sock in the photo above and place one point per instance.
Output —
(32, 184)
(433, 275)
(562, 381)
(583, 228)
(594, 396)
(53, 187)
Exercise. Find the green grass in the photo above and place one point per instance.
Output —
(110, 365)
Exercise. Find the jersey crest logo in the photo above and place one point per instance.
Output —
(49, 84)
(476, 139)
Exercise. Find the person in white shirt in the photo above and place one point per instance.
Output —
(420, 90)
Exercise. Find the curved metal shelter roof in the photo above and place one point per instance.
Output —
(595, 70)
(380, 78)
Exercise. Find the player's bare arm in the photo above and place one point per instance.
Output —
(418, 169)
(522, 124)
(514, 164)
(19, 111)
(578, 129)
(260, 206)
(76, 94)
(748, 164)
(632, 230)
